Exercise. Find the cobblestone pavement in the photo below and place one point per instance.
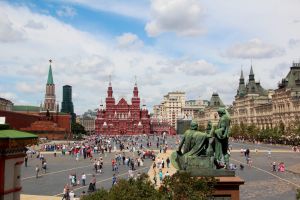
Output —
(260, 182)
(170, 170)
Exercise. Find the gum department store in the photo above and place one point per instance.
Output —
(268, 108)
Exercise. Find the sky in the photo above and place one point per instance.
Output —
(196, 46)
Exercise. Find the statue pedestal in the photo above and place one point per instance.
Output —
(228, 188)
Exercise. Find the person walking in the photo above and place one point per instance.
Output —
(72, 195)
(168, 162)
(66, 195)
(155, 179)
(26, 160)
(37, 170)
(160, 175)
(45, 166)
(167, 174)
(93, 181)
(269, 153)
(114, 180)
(95, 166)
(83, 179)
(274, 166)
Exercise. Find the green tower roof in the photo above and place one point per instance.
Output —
(50, 77)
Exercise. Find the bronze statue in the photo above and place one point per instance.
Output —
(221, 137)
(205, 152)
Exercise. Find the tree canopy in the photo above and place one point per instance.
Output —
(180, 186)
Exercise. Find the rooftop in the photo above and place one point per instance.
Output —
(19, 108)
(13, 134)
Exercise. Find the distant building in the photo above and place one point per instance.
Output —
(67, 104)
(268, 108)
(122, 118)
(159, 127)
(249, 96)
(192, 107)
(210, 113)
(5, 104)
(88, 124)
(175, 106)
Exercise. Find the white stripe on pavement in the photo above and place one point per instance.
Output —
(102, 180)
(298, 186)
(56, 172)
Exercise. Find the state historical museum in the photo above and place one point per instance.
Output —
(122, 118)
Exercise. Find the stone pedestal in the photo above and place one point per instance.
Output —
(227, 188)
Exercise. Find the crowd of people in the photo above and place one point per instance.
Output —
(127, 153)
(124, 152)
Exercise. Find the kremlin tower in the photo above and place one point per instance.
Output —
(50, 98)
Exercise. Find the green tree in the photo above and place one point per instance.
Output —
(182, 186)
(77, 130)
(4, 126)
(101, 194)
(252, 131)
(131, 189)
(235, 130)
(298, 194)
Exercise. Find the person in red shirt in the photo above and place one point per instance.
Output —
(113, 162)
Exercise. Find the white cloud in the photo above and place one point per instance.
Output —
(66, 11)
(188, 67)
(196, 68)
(180, 16)
(28, 88)
(254, 48)
(294, 43)
(8, 95)
(85, 60)
(35, 25)
(8, 31)
(129, 40)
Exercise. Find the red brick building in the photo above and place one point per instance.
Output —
(35, 120)
(158, 127)
(57, 126)
(122, 118)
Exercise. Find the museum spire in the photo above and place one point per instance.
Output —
(135, 89)
(109, 90)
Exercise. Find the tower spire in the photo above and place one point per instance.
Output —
(135, 89)
(242, 80)
(109, 90)
(242, 73)
(50, 76)
(251, 75)
(50, 98)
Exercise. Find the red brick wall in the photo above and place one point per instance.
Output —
(21, 120)
(18, 120)
(63, 121)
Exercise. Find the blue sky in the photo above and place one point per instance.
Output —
(197, 46)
